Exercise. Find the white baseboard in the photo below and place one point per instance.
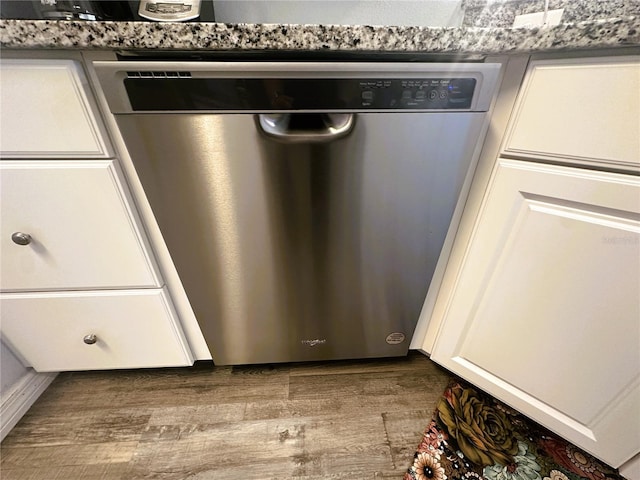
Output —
(15, 403)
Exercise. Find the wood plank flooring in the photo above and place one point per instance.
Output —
(330, 420)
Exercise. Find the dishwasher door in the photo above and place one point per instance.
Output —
(303, 251)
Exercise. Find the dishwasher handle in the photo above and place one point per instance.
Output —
(305, 127)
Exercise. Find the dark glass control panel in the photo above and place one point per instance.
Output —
(433, 93)
(166, 91)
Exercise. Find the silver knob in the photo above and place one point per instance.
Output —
(20, 238)
(90, 339)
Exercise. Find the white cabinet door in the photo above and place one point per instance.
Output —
(81, 228)
(46, 111)
(132, 329)
(582, 110)
(545, 311)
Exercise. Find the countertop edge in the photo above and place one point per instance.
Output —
(44, 34)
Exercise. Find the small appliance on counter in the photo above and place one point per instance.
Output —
(169, 10)
(111, 10)
(81, 10)
(66, 10)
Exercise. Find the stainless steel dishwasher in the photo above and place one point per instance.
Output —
(304, 205)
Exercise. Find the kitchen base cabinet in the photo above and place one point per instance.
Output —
(80, 287)
(544, 313)
(94, 330)
(540, 301)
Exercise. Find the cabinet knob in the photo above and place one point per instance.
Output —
(20, 238)
(90, 339)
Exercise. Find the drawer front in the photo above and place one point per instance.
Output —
(587, 110)
(48, 112)
(81, 232)
(132, 329)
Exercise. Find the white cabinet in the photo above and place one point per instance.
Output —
(585, 111)
(47, 111)
(77, 218)
(542, 308)
(79, 287)
(545, 314)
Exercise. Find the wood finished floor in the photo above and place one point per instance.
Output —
(334, 420)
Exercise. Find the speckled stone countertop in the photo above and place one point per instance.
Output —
(32, 34)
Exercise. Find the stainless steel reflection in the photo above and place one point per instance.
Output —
(289, 244)
(302, 233)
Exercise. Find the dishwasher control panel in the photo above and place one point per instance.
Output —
(170, 91)
(432, 93)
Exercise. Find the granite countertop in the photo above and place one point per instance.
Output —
(32, 34)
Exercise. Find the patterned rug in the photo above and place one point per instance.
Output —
(474, 437)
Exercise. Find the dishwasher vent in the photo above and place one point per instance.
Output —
(158, 74)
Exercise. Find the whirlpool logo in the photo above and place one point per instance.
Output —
(314, 342)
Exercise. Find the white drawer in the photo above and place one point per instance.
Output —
(133, 329)
(48, 111)
(83, 233)
(587, 110)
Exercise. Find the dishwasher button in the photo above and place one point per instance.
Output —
(367, 95)
(421, 95)
(433, 95)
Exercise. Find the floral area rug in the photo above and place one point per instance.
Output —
(473, 436)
